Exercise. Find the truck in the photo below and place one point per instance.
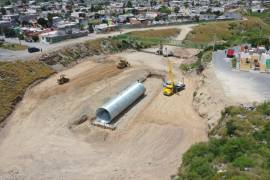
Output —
(230, 53)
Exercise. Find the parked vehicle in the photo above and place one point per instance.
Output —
(28, 40)
(33, 49)
(230, 53)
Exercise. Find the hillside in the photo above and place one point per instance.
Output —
(231, 32)
(239, 147)
(15, 77)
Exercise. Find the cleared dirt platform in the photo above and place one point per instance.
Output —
(43, 139)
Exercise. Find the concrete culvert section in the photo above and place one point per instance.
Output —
(115, 106)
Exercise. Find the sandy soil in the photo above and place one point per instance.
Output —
(209, 98)
(40, 140)
(43, 138)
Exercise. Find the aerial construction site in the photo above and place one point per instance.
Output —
(126, 115)
(134, 90)
(105, 120)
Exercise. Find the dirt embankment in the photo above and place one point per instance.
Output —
(209, 98)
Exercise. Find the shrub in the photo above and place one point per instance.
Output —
(243, 162)
(233, 61)
(264, 108)
(230, 128)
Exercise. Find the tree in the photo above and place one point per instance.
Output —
(153, 3)
(97, 8)
(176, 9)
(3, 11)
(8, 3)
(135, 11)
(43, 22)
(217, 13)
(129, 4)
(164, 9)
(186, 4)
(50, 19)
(9, 32)
(25, 23)
(20, 36)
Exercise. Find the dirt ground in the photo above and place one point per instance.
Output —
(209, 97)
(42, 139)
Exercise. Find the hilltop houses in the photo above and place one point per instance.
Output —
(45, 19)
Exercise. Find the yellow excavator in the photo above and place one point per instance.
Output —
(169, 86)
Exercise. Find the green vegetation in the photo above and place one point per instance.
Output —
(161, 33)
(15, 77)
(221, 35)
(12, 46)
(254, 30)
(265, 16)
(150, 37)
(164, 9)
(233, 62)
(203, 59)
(239, 147)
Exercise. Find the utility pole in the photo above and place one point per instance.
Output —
(214, 42)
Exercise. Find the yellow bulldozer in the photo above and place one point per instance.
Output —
(169, 86)
(123, 64)
(62, 79)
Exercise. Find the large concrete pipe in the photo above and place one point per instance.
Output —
(115, 106)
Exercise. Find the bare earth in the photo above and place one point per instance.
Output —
(43, 139)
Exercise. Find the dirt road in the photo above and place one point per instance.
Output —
(6, 55)
(40, 140)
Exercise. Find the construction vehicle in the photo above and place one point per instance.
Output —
(164, 51)
(169, 86)
(123, 64)
(62, 79)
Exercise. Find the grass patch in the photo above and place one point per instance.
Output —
(231, 32)
(203, 59)
(12, 46)
(161, 33)
(15, 77)
(265, 16)
(239, 147)
(150, 37)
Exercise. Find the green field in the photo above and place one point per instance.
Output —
(12, 46)
(265, 16)
(231, 32)
(15, 77)
(147, 38)
(161, 33)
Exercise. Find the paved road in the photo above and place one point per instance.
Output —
(241, 86)
(6, 55)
